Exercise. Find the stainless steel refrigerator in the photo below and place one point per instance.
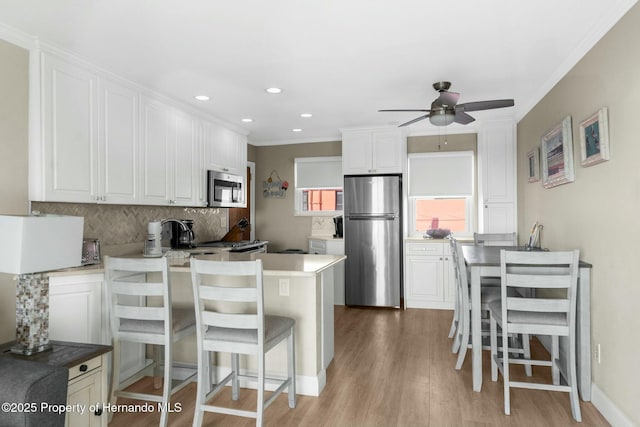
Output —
(373, 240)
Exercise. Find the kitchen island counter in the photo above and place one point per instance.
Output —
(298, 286)
(273, 264)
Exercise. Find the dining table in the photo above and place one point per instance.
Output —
(484, 261)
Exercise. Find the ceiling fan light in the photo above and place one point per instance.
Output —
(441, 117)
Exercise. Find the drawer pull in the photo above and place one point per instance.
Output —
(98, 411)
(83, 368)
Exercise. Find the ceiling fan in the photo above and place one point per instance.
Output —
(446, 110)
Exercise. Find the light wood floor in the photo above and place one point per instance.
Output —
(391, 368)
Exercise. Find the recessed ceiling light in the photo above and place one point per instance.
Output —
(306, 115)
(202, 97)
(273, 90)
(296, 130)
(247, 120)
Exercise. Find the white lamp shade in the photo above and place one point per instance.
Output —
(32, 244)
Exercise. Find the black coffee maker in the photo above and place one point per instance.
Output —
(181, 238)
(337, 222)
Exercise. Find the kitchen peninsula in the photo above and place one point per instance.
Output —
(295, 285)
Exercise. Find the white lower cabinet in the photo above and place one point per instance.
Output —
(429, 278)
(75, 309)
(78, 313)
(85, 389)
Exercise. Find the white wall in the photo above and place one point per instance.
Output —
(14, 87)
(598, 213)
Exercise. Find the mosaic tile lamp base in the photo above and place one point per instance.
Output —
(32, 314)
(38, 244)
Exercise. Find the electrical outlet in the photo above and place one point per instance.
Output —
(598, 353)
(283, 287)
(223, 221)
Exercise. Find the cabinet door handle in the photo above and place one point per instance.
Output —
(83, 368)
(98, 411)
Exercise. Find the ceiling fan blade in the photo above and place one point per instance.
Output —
(449, 99)
(486, 105)
(462, 118)
(417, 119)
(386, 111)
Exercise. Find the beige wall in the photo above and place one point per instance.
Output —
(435, 143)
(598, 213)
(275, 220)
(14, 87)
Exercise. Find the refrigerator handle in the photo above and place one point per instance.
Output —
(385, 217)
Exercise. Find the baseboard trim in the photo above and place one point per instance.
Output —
(430, 305)
(601, 401)
(608, 408)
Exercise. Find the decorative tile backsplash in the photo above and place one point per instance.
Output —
(322, 226)
(123, 225)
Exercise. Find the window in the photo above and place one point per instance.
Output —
(441, 213)
(441, 191)
(322, 200)
(318, 186)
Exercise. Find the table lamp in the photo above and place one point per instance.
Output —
(30, 247)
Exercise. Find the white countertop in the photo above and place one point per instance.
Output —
(423, 239)
(325, 238)
(273, 264)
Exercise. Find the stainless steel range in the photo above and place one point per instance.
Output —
(247, 246)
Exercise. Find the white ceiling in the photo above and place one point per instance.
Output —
(341, 60)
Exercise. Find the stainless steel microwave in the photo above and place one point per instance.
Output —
(225, 190)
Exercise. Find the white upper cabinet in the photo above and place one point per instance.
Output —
(186, 169)
(155, 150)
(373, 151)
(63, 134)
(169, 163)
(497, 177)
(118, 156)
(84, 137)
(94, 138)
(225, 150)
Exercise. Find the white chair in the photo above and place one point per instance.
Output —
(495, 239)
(519, 345)
(159, 326)
(528, 314)
(463, 306)
(456, 307)
(220, 284)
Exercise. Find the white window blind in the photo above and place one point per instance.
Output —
(441, 174)
(318, 172)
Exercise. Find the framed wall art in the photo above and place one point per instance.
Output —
(556, 152)
(594, 138)
(533, 160)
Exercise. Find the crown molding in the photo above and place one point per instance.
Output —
(332, 138)
(17, 37)
(597, 32)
